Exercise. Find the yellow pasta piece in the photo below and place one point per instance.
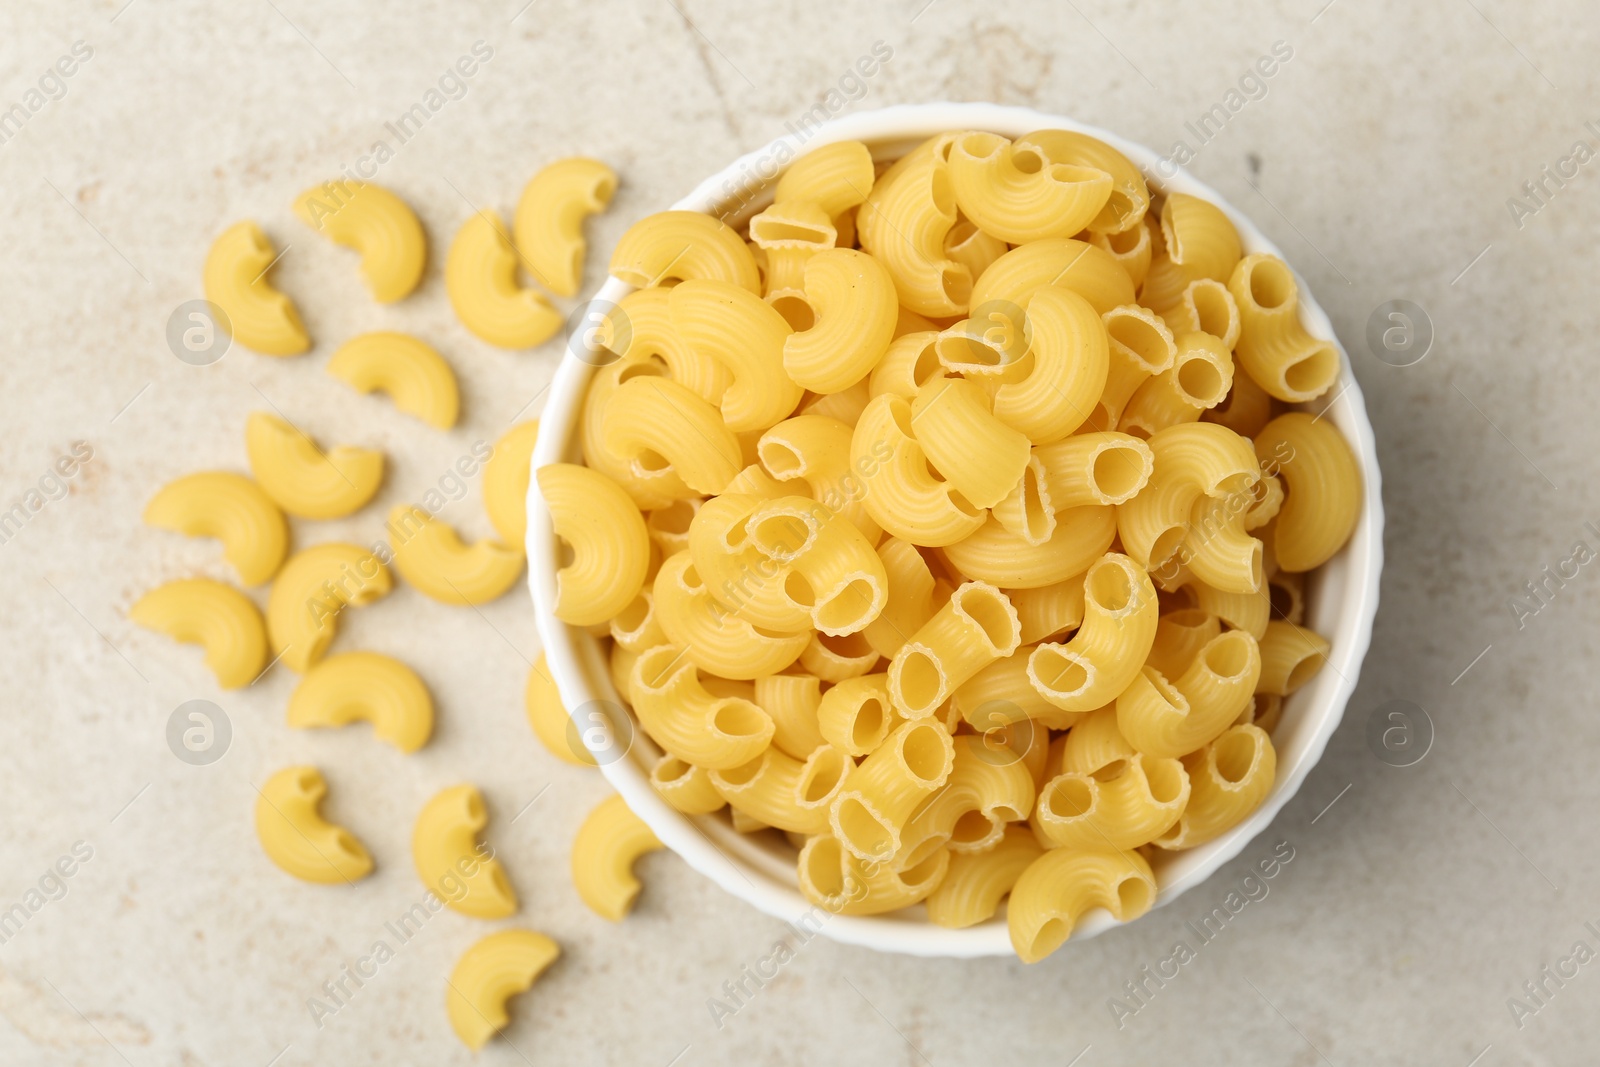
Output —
(1246, 410)
(1060, 261)
(817, 449)
(658, 426)
(1066, 368)
(994, 554)
(199, 611)
(836, 177)
(315, 585)
(977, 882)
(977, 627)
(505, 481)
(296, 837)
(792, 700)
(480, 276)
(1129, 197)
(680, 246)
(493, 970)
(740, 578)
(969, 446)
(548, 225)
(1274, 348)
(832, 569)
(835, 659)
(686, 787)
(301, 478)
(377, 224)
(1049, 609)
(451, 861)
(1199, 242)
(1132, 808)
(903, 224)
(233, 509)
(1180, 635)
(911, 361)
(414, 376)
(1229, 779)
(1095, 468)
(1002, 693)
(869, 814)
(603, 854)
(853, 307)
(910, 597)
(1014, 191)
(1059, 886)
(972, 247)
(712, 638)
(1173, 718)
(1192, 461)
(1206, 307)
(1249, 612)
(365, 687)
(1105, 655)
(548, 717)
(982, 795)
(259, 317)
(1290, 656)
(784, 792)
(610, 546)
(1199, 379)
(1322, 489)
(430, 555)
(731, 326)
(1094, 747)
(683, 717)
(1132, 249)
(904, 497)
(842, 884)
(856, 715)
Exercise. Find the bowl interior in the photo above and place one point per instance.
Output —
(1342, 596)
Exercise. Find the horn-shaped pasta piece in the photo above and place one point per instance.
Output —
(1290, 656)
(1095, 468)
(1199, 242)
(1322, 489)
(909, 603)
(1129, 199)
(733, 327)
(816, 449)
(912, 360)
(835, 574)
(1180, 635)
(1065, 368)
(678, 712)
(430, 555)
(1121, 810)
(680, 246)
(603, 853)
(793, 701)
(480, 276)
(791, 794)
(987, 788)
(1049, 609)
(1103, 657)
(1002, 693)
(973, 449)
(233, 509)
(296, 837)
(641, 333)
(414, 376)
(903, 495)
(609, 542)
(835, 659)
(1173, 718)
(843, 884)
(548, 225)
(304, 480)
(686, 787)
(977, 627)
(377, 224)
(490, 973)
(214, 615)
(853, 308)
(836, 177)
(1014, 191)
(1132, 249)
(505, 481)
(259, 317)
(1206, 307)
(977, 881)
(657, 426)
(312, 589)
(745, 581)
(1141, 346)
(365, 687)
(450, 860)
(799, 225)
(903, 224)
(1094, 747)
(1059, 886)
(1229, 779)
(1192, 460)
(996, 555)
(856, 715)
(870, 813)
(1060, 261)
(1199, 379)
(1274, 348)
(716, 640)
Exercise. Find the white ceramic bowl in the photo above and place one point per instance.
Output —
(1343, 595)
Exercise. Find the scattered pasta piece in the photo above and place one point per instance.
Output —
(548, 717)
(313, 588)
(608, 842)
(298, 839)
(199, 611)
(505, 482)
(548, 226)
(301, 478)
(452, 863)
(480, 274)
(233, 509)
(365, 687)
(260, 317)
(493, 970)
(377, 224)
(430, 555)
(416, 377)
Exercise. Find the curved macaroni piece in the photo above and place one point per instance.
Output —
(971, 247)
(904, 497)
(742, 332)
(1129, 199)
(985, 791)
(840, 883)
(977, 882)
(1199, 242)
(911, 361)
(711, 637)
(1290, 656)
(1287, 592)
(301, 478)
(1322, 489)
(835, 659)
(683, 246)
(668, 527)
(1094, 747)
(1192, 460)
(1027, 511)
(548, 718)
(635, 627)
(1119, 626)
(853, 308)
(430, 555)
(641, 333)
(446, 851)
(377, 224)
(1246, 410)
(1199, 379)
(416, 377)
(296, 837)
(836, 177)
(967, 444)
(657, 426)
(1274, 348)
(199, 611)
(480, 276)
(259, 317)
(1206, 307)
(869, 814)
(603, 854)
(904, 222)
(1049, 609)
(816, 448)
(1249, 612)
(1059, 886)
(1229, 779)
(856, 715)
(994, 554)
(1180, 635)
(610, 545)
(368, 687)
(1132, 249)
(977, 627)
(792, 700)
(1069, 359)
(1016, 192)
(1123, 811)
(1095, 469)
(793, 226)
(1061, 261)
(835, 574)
(742, 579)
(686, 787)
(548, 224)
(1002, 694)
(315, 585)
(910, 600)
(781, 791)
(684, 718)
(233, 509)
(488, 974)
(505, 481)
(1174, 718)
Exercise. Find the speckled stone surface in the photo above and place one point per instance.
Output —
(1381, 155)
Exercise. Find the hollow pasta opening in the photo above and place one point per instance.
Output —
(1111, 771)
(1303, 671)
(867, 728)
(1061, 672)
(925, 753)
(863, 829)
(823, 866)
(1109, 587)
(691, 579)
(926, 365)
(956, 282)
(1165, 778)
(1201, 381)
(796, 311)
(674, 518)
(1133, 896)
(1235, 754)
(1271, 284)
(566, 555)
(670, 771)
(631, 618)
(745, 773)
(657, 665)
(1142, 338)
(780, 459)
(1036, 515)
(918, 873)
(824, 773)
(1028, 160)
(921, 679)
(1069, 798)
(971, 827)
(652, 462)
(1050, 936)
(1229, 655)
(990, 609)
(1315, 372)
(942, 190)
(654, 367)
(1285, 599)
(1117, 472)
(781, 535)
(1165, 689)
(1210, 300)
(848, 646)
(797, 587)
(1129, 240)
(849, 606)
(739, 718)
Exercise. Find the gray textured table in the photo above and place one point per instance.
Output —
(1387, 154)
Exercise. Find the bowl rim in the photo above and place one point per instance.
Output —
(580, 674)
